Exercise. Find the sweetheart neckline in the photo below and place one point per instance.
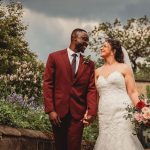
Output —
(106, 78)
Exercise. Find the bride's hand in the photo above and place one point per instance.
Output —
(86, 123)
(88, 119)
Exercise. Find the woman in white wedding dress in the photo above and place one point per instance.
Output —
(116, 87)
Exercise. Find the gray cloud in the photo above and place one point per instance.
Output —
(52, 21)
(90, 9)
(46, 34)
(138, 9)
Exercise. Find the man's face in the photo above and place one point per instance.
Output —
(82, 40)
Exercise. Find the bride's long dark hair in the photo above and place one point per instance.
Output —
(116, 47)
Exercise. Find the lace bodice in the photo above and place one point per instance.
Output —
(113, 83)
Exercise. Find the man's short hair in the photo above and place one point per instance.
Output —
(74, 32)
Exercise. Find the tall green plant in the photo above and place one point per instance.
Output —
(20, 70)
(13, 46)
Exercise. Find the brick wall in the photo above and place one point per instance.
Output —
(25, 139)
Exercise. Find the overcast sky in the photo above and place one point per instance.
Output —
(52, 21)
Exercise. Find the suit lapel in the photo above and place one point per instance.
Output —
(67, 64)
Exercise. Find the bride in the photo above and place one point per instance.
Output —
(116, 87)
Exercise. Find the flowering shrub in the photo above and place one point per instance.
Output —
(18, 99)
(140, 114)
(26, 80)
(18, 112)
(20, 69)
(15, 111)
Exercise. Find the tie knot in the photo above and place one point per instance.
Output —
(74, 55)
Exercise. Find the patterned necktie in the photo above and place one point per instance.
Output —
(74, 63)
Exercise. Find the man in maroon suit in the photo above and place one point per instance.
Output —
(69, 92)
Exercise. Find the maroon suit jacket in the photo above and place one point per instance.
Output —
(64, 93)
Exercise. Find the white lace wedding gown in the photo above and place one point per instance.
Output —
(115, 132)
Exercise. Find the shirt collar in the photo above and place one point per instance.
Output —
(70, 52)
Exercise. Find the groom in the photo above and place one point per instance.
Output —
(69, 92)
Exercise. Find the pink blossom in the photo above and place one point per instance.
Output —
(145, 109)
(139, 117)
(146, 115)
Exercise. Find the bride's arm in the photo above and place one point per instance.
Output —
(96, 77)
(131, 85)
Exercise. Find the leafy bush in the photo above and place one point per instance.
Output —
(20, 69)
(23, 114)
(91, 132)
(27, 80)
(142, 75)
(148, 91)
(17, 111)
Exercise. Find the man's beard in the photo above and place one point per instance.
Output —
(80, 47)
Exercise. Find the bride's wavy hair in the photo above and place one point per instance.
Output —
(117, 49)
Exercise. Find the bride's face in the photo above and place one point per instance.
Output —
(106, 50)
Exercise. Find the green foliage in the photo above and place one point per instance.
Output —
(134, 36)
(141, 75)
(144, 70)
(91, 132)
(20, 70)
(15, 115)
(148, 91)
(99, 63)
(27, 80)
(87, 59)
(13, 47)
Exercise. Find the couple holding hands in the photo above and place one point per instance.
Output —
(74, 93)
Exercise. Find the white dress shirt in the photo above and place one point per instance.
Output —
(70, 52)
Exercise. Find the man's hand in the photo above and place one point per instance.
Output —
(88, 119)
(53, 116)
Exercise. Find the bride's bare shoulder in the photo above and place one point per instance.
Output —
(125, 68)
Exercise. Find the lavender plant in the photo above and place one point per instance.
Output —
(17, 111)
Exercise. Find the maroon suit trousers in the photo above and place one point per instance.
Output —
(69, 135)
